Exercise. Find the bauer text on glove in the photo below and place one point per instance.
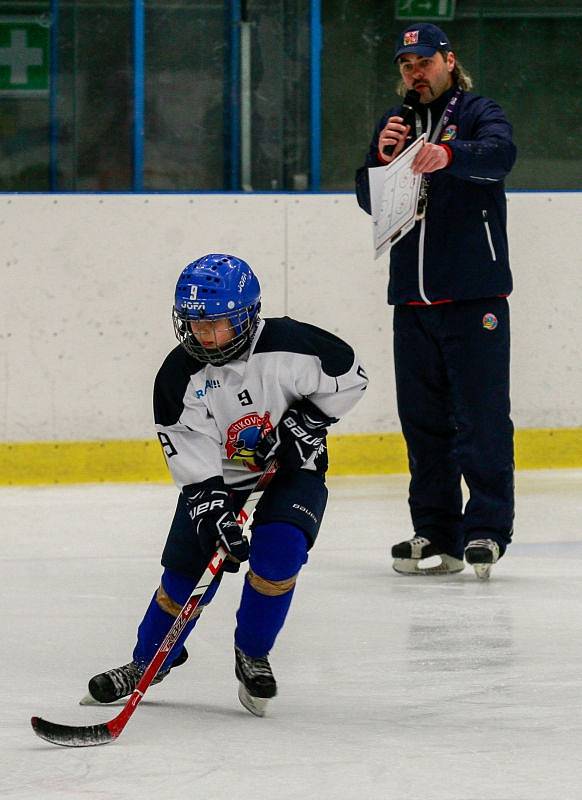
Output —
(299, 434)
(214, 520)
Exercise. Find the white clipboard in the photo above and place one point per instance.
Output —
(394, 191)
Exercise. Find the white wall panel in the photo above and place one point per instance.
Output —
(545, 234)
(344, 290)
(87, 282)
(87, 285)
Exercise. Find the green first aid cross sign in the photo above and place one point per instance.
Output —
(24, 56)
(417, 10)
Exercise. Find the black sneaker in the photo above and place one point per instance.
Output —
(121, 681)
(256, 681)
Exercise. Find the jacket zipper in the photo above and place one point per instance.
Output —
(421, 239)
(488, 233)
(421, 261)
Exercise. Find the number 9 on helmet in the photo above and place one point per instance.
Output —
(214, 288)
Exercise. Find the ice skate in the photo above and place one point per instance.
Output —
(408, 555)
(482, 554)
(107, 687)
(256, 682)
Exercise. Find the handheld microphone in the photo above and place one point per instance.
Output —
(407, 112)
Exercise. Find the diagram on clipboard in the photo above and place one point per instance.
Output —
(394, 192)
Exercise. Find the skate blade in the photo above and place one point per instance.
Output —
(482, 571)
(256, 705)
(89, 700)
(410, 566)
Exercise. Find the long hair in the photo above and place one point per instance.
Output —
(460, 76)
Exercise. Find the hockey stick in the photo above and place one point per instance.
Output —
(88, 735)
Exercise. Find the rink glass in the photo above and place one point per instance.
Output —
(271, 95)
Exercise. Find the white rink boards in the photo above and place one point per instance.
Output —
(97, 273)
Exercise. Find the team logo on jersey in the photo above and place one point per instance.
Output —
(490, 322)
(449, 133)
(410, 37)
(242, 437)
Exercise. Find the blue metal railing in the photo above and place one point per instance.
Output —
(138, 93)
(53, 115)
(316, 42)
(232, 96)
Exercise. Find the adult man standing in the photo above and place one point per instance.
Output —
(449, 282)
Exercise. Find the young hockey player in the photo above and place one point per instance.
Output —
(236, 393)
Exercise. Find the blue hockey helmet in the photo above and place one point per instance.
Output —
(217, 286)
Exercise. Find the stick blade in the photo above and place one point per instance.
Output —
(72, 735)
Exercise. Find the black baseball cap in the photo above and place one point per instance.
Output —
(423, 39)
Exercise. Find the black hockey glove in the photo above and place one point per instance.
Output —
(299, 434)
(215, 523)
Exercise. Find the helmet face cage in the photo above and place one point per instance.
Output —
(216, 287)
(243, 323)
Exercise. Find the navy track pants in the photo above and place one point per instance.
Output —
(452, 385)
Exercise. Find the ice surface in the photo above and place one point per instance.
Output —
(408, 688)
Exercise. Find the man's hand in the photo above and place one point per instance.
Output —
(431, 158)
(214, 522)
(394, 133)
(296, 438)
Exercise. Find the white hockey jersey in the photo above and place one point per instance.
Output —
(209, 418)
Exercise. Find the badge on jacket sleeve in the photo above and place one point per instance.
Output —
(449, 133)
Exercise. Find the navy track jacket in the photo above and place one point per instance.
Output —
(459, 251)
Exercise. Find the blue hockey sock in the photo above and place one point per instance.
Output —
(157, 622)
(278, 551)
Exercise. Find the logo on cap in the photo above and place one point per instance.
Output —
(424, 39)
